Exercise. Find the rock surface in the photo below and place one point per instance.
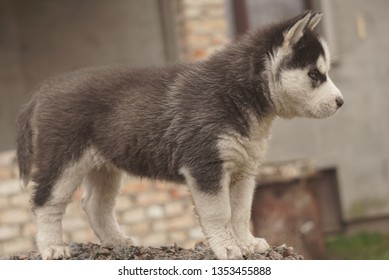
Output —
(90, 251)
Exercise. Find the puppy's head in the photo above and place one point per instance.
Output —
(298, 72)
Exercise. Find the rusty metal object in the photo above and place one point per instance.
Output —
(286, 208)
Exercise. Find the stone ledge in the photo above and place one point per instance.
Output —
(201, 251)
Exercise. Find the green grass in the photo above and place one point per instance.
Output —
(361, 246)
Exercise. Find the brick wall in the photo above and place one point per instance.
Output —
(16, 221)
(155, 213)
(203, 27)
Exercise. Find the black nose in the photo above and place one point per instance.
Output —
(339, 102)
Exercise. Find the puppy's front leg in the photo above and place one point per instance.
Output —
(241, 196)
(214, 211)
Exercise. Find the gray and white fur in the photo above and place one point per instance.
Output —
(205, 124)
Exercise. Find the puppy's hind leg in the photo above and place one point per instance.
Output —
(49, 204)
(241, 196)
(101, 187)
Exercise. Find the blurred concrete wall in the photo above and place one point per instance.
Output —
(41, 38)
(356, 139)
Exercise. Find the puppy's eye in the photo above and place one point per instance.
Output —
(314, 74)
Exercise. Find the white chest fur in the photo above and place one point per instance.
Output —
(243, 154)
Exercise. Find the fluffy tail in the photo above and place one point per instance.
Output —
(24, 148)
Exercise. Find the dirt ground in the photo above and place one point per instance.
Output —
(92, 251)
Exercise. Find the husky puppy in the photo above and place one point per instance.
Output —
(205, 124)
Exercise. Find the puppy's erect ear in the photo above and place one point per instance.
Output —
(315, 19)
(296, 31)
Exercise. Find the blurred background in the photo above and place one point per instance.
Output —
(325, 190)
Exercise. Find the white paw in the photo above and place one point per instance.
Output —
(254, 245)
(225, 248)
(231, 252)
(234, 252)
(130, 241)
(55, 252)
